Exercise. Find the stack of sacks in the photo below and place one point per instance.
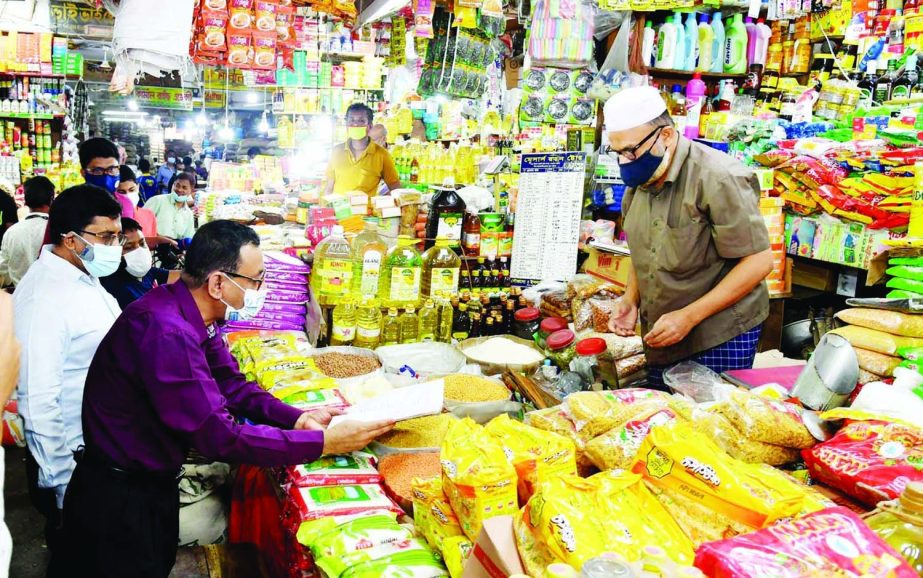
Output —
(879, 337)
(286, 287)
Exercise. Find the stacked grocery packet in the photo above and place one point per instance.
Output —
(883, 340)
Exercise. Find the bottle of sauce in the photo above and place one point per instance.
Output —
(471, 235)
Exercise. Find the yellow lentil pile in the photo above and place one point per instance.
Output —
(471, 389)
(421, 432)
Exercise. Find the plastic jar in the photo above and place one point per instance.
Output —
(526, 323)
(547, 327)
(590, 362)
(561, 348)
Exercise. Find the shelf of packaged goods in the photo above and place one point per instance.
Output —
(686, 74)
(345, 55)
(31, 74)
(30, 116)
(333, 88)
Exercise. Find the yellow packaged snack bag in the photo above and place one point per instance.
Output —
(877, 363)
(617, 448)
(537, 455)
(432, 513)
(477, 477)
(455, 552)
(739, 446)
(309, 377)
(710, 494)
(875, 340)
(893, 322)
(573, 519)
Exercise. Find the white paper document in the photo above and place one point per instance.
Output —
(398, 404)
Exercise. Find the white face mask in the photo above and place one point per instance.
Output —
(133, 197)
(99, 260)
(138, 262)
(253, 303)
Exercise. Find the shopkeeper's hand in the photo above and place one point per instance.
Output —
(670, 329)
(351, 436)
(316, 420)
(624, 318)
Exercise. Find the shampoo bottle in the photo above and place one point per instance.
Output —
(761, 45)
(679, 54)
(647, 44)
(691, 47)
(666, 44)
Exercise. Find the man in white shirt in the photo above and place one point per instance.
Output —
(61, 314)
(23, 241)
(9, 373)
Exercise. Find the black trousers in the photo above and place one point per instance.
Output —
(119, 524)
(43, 500)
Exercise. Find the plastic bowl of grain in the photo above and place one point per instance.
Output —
(499, 353)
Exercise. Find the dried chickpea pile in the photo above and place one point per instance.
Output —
(421, 432)
(399, 470)
(472, 389)
(343, 365)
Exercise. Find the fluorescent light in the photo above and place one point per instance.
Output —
(201, 119)
(252, 97)
(264, 124)
(124, 113)
(133, 105)
(379, 9)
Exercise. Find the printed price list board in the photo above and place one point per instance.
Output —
(548, 216)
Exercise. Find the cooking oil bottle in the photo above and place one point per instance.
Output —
(429, 321)
(400, 279)
(446, 313)
(900, 523)
(391, 328)
(410, 326)
(441, 267)
(368, 254)
(344, 322)
(332, 273)
(368, 324)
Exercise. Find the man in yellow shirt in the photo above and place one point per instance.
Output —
(360, 164)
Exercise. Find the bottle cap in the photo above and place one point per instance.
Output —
(552, 324)
(527, 314)
(560, 339)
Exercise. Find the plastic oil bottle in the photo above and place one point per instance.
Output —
(446, 315)
(344, 322)
(441, 267)
(446, 217)
(900, 523)
(368, 254)
(331, 276)
(391, 328)
(410, 326)
(399, 285)
(368, 324)
(429, 321)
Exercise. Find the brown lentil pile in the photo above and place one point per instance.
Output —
(420, 432)
(399, 470)
(343, 365)
(472, 389)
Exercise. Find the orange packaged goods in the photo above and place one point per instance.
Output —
(830, 543)
(214, 29)
(265, 16)
(871, 460)
(264, 50)
(285, 24)
(241, 15)
(215, 4)
(239, 49)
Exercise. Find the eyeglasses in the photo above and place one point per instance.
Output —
(632, 153)
(99, 171)
(106, 238)
(259, 282)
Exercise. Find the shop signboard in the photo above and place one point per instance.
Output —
(162, 97)
(79, 19)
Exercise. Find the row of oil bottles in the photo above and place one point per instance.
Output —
(441, 318)
(432, 163)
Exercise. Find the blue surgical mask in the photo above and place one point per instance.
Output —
(180, 198)
(171, 160)
(100, 260)
(106, 182)
(253, 303)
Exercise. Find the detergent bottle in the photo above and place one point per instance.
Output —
(679, 54)
(647, 44)
(695, 98)
(761, 42)
(666, 44)
(706, 43)
(718, 47)
(691, 46)
(751, 38)
(735, 46)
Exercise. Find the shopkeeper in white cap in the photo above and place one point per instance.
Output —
(699, 246)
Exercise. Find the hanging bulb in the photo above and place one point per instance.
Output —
(264, 123)
(133, 105)
(201, 119)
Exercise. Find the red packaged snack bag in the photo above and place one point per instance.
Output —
(265, 15)
(356, 468)
(870, 460)
(214, 4)
(214, 28)
(241, 17)
(828, 543)
(239, 49)
(264, 50)
(285, 20)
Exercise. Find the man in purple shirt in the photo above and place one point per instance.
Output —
(163, 381)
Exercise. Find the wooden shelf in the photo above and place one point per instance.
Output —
(31, 74)
(30, 116)
(685, 74)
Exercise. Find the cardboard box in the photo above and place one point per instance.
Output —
(608, 267)
(814, 276)
(494, 554)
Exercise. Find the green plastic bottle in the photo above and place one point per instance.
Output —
(391, 328)
(344, 322)
(400, 280)
(429, 321)
(410, 326)
(331, 276)
(368, 324)
(368, 256)
(441, 268)
(446, 314)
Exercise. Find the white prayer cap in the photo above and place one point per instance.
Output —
(633, 107)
